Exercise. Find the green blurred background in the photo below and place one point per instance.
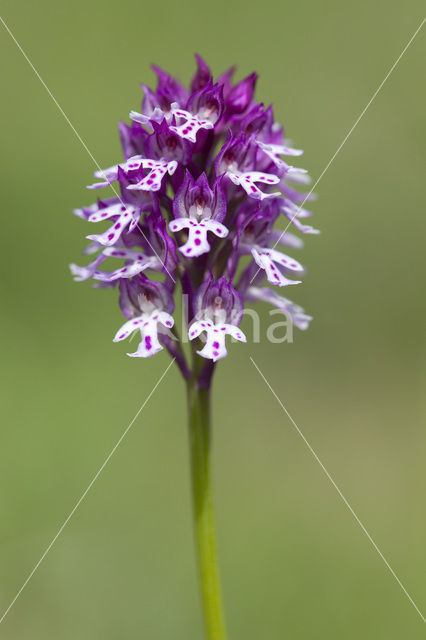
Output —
(295, 563)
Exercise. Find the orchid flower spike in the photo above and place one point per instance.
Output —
(204, 197)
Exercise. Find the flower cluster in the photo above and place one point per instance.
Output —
(201, 185)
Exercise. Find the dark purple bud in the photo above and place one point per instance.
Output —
(158, 242)
(168, 90)
(202, 75)
(226, 81)
(241, 95)
(254, 120)
(149, 102)
(133, 139)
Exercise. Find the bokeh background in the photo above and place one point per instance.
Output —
(295, 563)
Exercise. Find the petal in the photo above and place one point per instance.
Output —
(98, 185)
(109, 212)
(157, 115)
(158, 169)
(283, 259)
(198, 327)
(171, 167)
(273, 151)
(235, 332)
(152, 181)
(110, 174)
(293, 311)
(125, 272)
(197, 242)
(139, 117)
(106, 175)
(166, 319)
(111, 235)
(293, 211)
(128, 328)
(215, 227)
(179, 224)
(85, 212)
(147, 348)
(84, 273)
(286, 238)
(80, 273)
(273, 274)
(149, 344)
(247, 182)
(258, 176)
(128, 254)
(303, 228)
(215, 347)
(134, 221)
(189, 129)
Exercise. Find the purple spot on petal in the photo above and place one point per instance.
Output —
(216, 345)
(197, 241)
(148, 344)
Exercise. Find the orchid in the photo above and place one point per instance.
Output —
(201, 185)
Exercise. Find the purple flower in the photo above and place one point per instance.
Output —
(218, 311)
(148, 304)
(199, 209)
(238, 161)
(202, 182)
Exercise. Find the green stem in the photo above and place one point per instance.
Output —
(200, 440)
